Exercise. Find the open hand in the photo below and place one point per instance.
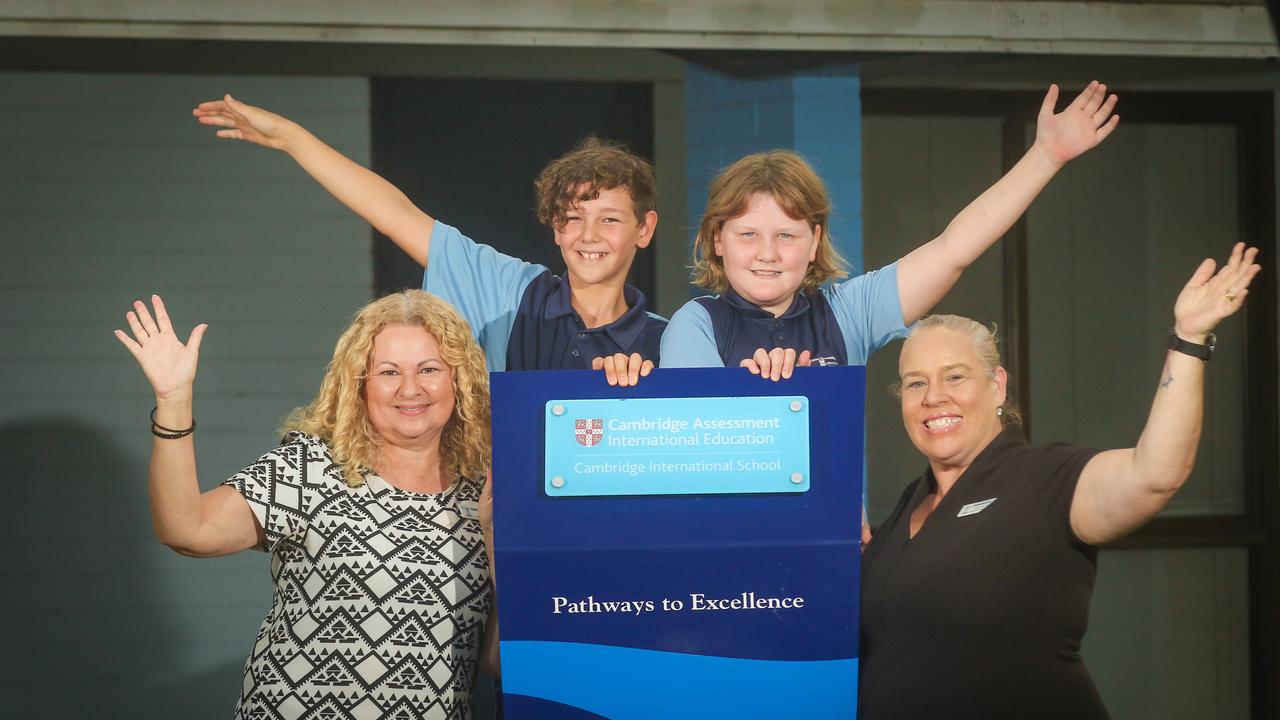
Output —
(622, 370)
(1208, 297)
(241, 121)
(777, 363)
(1080, 126)
(169, 365)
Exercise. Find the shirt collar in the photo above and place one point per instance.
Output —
(624, 331)
(799, 306)
(1010, 436)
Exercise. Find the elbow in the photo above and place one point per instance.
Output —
(182, 545)
(1164, 485)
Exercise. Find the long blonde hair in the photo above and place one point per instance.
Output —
(338, 414)
(800, 193)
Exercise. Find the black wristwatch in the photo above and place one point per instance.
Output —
(1203, 352)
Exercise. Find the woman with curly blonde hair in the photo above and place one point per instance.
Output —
(373, 507)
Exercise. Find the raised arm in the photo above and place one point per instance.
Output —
(218, 522)
(1119, 490)
(368, 194)
(931, 270)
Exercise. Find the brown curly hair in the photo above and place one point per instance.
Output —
(338, 414)
(598, 165)
(799, 191)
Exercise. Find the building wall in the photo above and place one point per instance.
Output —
(110, 191)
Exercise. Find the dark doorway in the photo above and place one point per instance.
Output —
(467, 151)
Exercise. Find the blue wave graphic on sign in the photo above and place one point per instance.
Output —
(625, 683)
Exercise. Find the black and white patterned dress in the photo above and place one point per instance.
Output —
(380, 597)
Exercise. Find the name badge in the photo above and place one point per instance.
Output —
(469, 509)
(974, 508)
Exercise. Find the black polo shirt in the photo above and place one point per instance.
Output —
(981, 614)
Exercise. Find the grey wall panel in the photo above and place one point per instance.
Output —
(918, 174)
(1168, 634)
(1115, 238)
(109, 191)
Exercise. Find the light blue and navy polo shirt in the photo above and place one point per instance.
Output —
(521, 313)
(840, 324)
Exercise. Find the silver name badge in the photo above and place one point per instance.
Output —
(469, 509)
(974, 508)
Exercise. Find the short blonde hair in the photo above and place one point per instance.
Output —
(800, 193)
(984, 346)
(338, 414)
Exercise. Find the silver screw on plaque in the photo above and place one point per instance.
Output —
(796, 406)
(557, 410)
(796, 478)
(557, 482)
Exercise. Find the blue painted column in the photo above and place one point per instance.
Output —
(818, 114)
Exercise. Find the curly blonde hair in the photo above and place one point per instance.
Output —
(338, 414)
(800, 193)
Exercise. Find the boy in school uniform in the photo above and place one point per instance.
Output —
(598, 199)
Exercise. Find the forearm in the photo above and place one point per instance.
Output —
(176, 507)
(927, 273)
(366, 193)
(992, 213)
(1166, 450)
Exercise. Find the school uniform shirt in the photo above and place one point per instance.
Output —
(521, 313)
(840, 324)
(981, 614)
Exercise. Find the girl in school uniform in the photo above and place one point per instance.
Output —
(763, 249)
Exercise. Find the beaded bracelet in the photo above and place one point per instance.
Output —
(161, 431)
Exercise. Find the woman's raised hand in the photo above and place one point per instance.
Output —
(241, 121)
(1080, 126)
(1209, 297)
(170, 366)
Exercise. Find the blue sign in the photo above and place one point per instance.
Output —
(709, 605)
(677, 446)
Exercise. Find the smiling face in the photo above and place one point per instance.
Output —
(949, 400)
(409, 389)
(599, 238)
(766, 253)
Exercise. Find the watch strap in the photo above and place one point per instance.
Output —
(1196, 350)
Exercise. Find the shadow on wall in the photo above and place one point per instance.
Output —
(88, 627)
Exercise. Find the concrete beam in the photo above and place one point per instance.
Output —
(986, 26)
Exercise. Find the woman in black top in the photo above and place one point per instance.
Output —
(975, 590)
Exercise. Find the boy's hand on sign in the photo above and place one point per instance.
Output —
(622, 370)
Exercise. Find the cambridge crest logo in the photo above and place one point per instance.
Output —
(588, 432)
